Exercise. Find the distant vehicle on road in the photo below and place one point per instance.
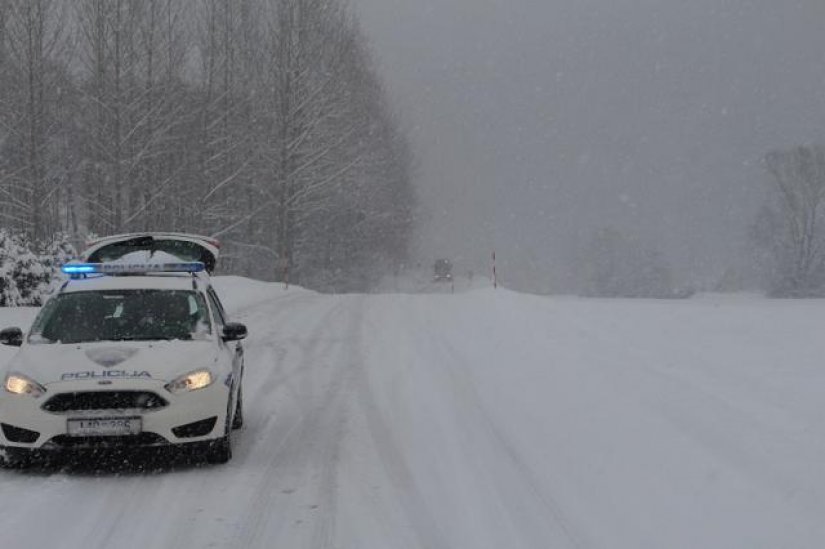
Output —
(442, 271)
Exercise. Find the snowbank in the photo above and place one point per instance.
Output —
(237, 292)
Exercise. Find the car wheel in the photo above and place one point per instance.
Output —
(237, 421)
(220, 451)
(15, 459)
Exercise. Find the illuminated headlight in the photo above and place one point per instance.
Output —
(21, 385)
(190, 382)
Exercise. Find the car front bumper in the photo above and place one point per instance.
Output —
(185, 418)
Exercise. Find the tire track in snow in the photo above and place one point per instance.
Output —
(468, 399)
(275, 432)
(425, 528)
(279, 349)
(308, 451)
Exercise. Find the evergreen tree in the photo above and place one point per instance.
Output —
(9, 295)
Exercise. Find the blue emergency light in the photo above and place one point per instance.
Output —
(78, 268)
(132, 268)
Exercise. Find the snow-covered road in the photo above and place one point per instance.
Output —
(482, 420)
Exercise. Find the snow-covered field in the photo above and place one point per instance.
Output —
(484, 419)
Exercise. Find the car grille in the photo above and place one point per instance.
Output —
(112, 442)
(104, 400)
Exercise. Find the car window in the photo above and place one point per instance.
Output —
(122, 315)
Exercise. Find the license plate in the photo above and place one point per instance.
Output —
(90, 427)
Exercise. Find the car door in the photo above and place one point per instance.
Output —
(234, 349)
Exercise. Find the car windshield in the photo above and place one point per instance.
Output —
(122, 315)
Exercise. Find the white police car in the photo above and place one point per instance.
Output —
(127, 355)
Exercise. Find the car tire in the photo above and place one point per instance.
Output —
(220, 451)
(15, 459)
(237, 420)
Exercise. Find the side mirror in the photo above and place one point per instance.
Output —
(11, 336)
(233, 331)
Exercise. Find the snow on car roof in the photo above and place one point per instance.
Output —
(146, 256)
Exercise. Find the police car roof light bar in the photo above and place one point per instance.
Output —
(79, 269)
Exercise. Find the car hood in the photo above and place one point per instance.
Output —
(148, 360)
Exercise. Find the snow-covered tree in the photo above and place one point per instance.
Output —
(24, 277)
(55, 253)
(9, 294)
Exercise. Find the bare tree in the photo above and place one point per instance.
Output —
(35, 77)
(133, 53)
(230, 33)
(158, 161)
(799, 179)
(331, 153)
(262, 122)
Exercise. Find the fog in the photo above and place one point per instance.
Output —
(537, 122)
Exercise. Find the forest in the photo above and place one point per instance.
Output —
(262, 123)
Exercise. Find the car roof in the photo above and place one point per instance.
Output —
(154, 281)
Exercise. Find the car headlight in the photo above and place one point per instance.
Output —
(21, 385)
(192, 381)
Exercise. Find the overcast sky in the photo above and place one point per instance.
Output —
(536, 122)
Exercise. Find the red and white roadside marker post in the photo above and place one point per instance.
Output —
(495, 278)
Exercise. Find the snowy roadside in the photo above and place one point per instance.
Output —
(238, 293)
